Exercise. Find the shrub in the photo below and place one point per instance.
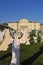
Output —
(39, 37)
(31, 39)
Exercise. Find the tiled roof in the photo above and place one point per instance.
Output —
(24, 19)
(14, 22)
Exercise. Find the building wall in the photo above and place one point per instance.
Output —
(32, 26)
(41, 27)
(25, 24)
(37, 26)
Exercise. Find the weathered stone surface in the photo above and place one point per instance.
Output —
(16, 50)
(35, 39)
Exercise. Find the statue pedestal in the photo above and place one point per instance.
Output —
(27, 43)
(35, 39)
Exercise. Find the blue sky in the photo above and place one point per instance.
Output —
(14, 10)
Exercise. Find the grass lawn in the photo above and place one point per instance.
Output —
(31, 54)
(5, 57)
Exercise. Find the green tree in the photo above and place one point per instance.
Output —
(39, 37)
(33, 32)
(31, 39)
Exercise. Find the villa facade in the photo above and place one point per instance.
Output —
(41, 26)
(24, 24)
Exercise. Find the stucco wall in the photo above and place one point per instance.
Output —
(25, 24)
(41, 27)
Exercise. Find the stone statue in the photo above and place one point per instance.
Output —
(15, 50)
